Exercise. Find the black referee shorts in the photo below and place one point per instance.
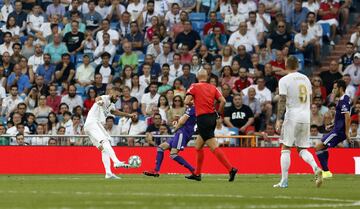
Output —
(206, 124)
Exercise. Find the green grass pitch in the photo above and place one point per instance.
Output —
(175, 192)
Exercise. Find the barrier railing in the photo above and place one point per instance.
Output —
(122, 140)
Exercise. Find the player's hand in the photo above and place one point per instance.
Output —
(278, 126)
(132, 115)
(349, 139)
(100, 102)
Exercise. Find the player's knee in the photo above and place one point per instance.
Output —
(173, 155)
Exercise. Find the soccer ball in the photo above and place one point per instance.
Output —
(134, 161)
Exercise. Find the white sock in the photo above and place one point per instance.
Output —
(308, 157)
(285, 164)
(106, 161)
(110, 151)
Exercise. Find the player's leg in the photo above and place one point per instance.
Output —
(287, 141)
(214, 147)
(177, 158)
(199, 144)
(159, 158)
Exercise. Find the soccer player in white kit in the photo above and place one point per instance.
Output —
(295, 95)
(94, 128)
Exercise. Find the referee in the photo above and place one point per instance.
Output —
(204, 96)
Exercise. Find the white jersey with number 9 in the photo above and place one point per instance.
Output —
(297, 89)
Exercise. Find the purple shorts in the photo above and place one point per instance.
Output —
(333, 138)
(179, 141)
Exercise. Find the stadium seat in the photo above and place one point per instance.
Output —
(114, 25)
(219, 17)
(198, 26)
(79, 58)
(141, 58)
(301, 59)
(326, 29)
(23, 39)
(197, 16)
(73, 59)
(80, 90)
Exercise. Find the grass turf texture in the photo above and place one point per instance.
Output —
(175, 192)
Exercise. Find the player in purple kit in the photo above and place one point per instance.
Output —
(183, 132)
(340, 131)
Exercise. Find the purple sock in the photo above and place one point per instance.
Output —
(159, 158)
(182, 162)
(323, 156)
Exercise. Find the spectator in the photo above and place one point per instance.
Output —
(282, 38)
(35, 20)
(151, 30)
(147, 14)
(263, 94)
(127, 99)
(18, 126)
(354, 70)
(90, 100)
(146, 77)
(318, 88)
(243, 57)
(53, 100)
(173, 15)
(251, 101)
(175, 68)
(6, 9)
(186, 56)
(84, 75)
(245, 38)
(99, 86)
(126, 75)
(226, 76)
(56, 8)
(115, 11)
(134, 126)
(155, 48)
(318, 101)
(242, 82)
(233, 18)
(19, 15)
(7, 45)
(350, 89)
(72, 99)
(217, 67)
(355, 37)
(278, 65)
(306, 43)
(56, 49)
(136, 38)
(178, 88)
(30, 123)
(215, 41)
(137, 90)
(74, 38)
(65, 70)
(113, 130)
(163, 106)
(16, 56)
(178, 27)
(155, 129)
(209, 27)
(316, 116)
(105, 69)
(329, 76)
(312, 6)
(189, 5)
(263, 17)
(36, 59)
(328, 13)
(42, 111)
(49, 30)
(6, 65)
(256, 68)
(239, 116)
(92, 18)
(205, 55)
(166, 55)
(53, 124)
(11, 27)
(221, 130)
(149, 99)
(256, 27)
(226, 92)
(41, 86)
(164, 85)
(20, 140)
(177, 109)
(347, 58)
(4, 141)
(314, 27)
(187, 78)
(297, 16)
(189, 37)
(105, 48)
(22, 81)
(105, 28)
(206, 6)
(134, 9)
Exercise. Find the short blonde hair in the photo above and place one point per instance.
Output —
(292, 63)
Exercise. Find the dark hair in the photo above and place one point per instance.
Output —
(88, 92)
(74, 12)
(16, 44)
(67, 113)
(349, 43)
(252, 13)
(49, 125)
(341, 84)
(181, 101)
(75, 115)
(21, 103)
(65, 55)
(105, 54)
(314, 126)
(166, 103)
(150, 1)
(115, 88)
(7, 33)
(165, 65)
(8, 22)
(311, 13)
(54, 25)
(110, 118)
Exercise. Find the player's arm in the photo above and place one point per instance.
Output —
(188, 99)
(181, 122)
(122, 114)
(222, 102)
(280, 110)
(347, 126)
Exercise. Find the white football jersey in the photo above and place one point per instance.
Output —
(99, 113)
(298, 91)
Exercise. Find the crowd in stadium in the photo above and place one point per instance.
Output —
(58, 56)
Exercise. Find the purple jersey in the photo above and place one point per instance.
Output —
(342, 107)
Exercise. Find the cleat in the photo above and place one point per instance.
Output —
(318, 177)
(232, 174)
(326, 174)
(281, 185)
(194, 177)
(121, 164)
(151, 173)
(111, 176)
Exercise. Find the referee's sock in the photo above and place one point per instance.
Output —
(222, 158)
(199, 161)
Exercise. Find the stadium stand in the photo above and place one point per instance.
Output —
(108, 46)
